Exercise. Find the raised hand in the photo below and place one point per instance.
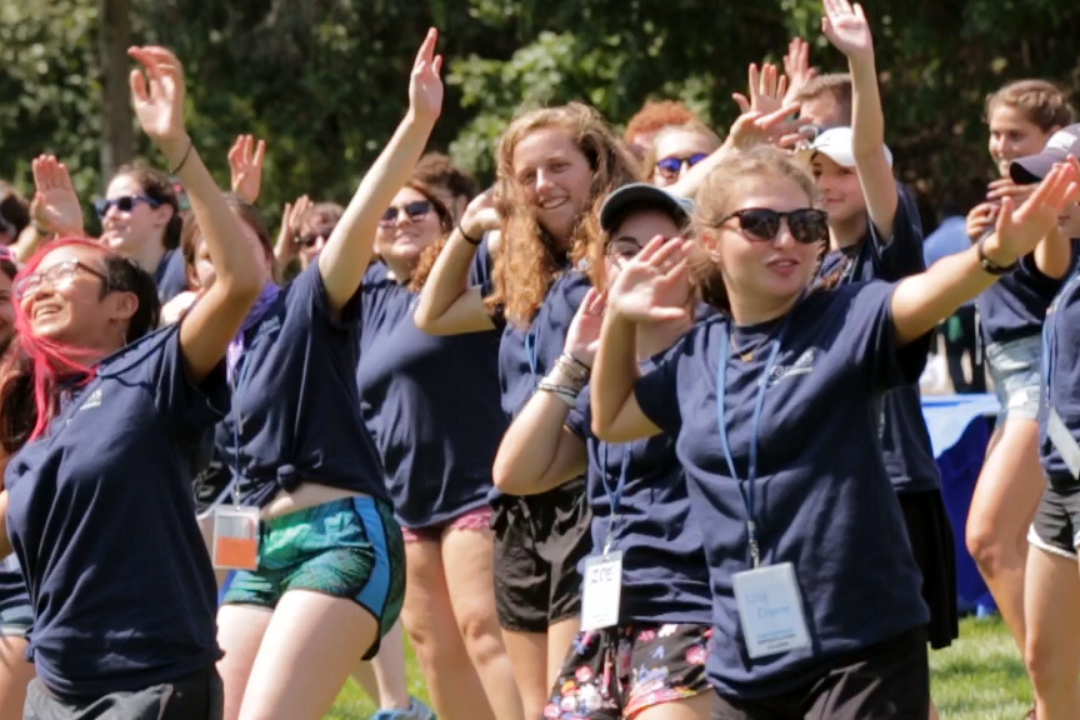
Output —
(1005, 187)
(755, 128)
(767, 90)
(653, 286)
(847, 29)
(285, 249)
(425, 83)
(246, 163)
(1019, 230)
(158, 95)
(55, 206)
(480, 216)
(797, 68)
(981, 218)
(583, 337)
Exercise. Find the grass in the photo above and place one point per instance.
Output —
(981, 677)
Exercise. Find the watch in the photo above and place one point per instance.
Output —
(989, 266)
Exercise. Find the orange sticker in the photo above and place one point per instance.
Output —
(236, 538)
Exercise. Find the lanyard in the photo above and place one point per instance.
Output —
(746, 488)
(614, 497)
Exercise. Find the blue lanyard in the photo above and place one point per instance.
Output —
(614, 497)
(747, 487)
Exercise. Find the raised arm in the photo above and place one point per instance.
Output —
(55, 209)
(651, 287)
(345, 258)
(448, 304)
(215, 320)
(921, 301)
(246, 158)
(539, 452)
(847, 29)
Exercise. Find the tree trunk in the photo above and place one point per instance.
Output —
(114, 38)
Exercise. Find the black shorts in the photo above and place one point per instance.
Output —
(198, 696)
(1057, 522)
(889, 680)
(931, 536)
(539, 540)
(621, 671)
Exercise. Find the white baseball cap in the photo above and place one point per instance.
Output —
(837, 144)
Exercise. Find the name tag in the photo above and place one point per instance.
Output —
(601, 591)
(236, 538)
(1064, 442)
(770, 610)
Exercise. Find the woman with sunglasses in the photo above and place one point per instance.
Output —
(432, 406)
(104, 418)
(648, 659)
(555, 167)
(678, 148)
(775, 408)
(875, 234)
(327, 581)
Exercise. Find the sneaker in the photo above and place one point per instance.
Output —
(417, 711)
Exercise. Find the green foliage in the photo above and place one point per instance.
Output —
(325, 80)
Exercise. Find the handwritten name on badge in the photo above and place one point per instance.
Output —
(770, 610)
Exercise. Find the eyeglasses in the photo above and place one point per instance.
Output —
(415, 211)
(622, 249)
(308, 240)
(807, 225)
(670, 166)
(59, 276)
(126, 203)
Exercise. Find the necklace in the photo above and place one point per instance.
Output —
(746, 354)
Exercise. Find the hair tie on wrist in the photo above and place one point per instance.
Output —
(470, 240)
(178, 168)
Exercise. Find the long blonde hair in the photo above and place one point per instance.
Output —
(716, 199)
(530, 258)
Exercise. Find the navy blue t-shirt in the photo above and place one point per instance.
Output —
(665, 577)
(905, 441)
(431, 403)
(1015, 306)
(527, 354)
(102, 519)
(824, 502)
(170, 277)
(296, 396)
(1061, 389)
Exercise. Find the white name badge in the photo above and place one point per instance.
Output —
(770, 610)
(1065, 443)
(236, 538)
(601, 591)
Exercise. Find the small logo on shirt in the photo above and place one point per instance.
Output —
(268, 326)
(803, 365)
(93, 401)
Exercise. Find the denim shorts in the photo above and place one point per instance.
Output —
(16, 621)
(1016, 366)
(349, 548)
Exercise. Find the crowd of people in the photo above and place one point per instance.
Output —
(634, 433)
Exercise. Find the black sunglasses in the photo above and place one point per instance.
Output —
(807, 225)
(415, 211)
(126, 203)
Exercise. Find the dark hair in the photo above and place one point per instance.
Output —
(249, 214)
(838, 85)
(1040, 101)
(33, 368)
(157, 185)
(436, 178)
(14, 210)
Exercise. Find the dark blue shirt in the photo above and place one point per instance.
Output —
(905, 441)
(1015, 306)
(171, 275)
(431, 403)
(1062, 378)
(665, 577)
(296, 396)
(823, 501)
(102, 519)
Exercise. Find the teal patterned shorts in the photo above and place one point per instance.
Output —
(350, 548)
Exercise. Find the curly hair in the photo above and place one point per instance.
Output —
(715, 200)
(1040, 101)
(531, 259)
(436, 178)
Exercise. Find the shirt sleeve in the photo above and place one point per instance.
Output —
(657, 391)
(899, 254)
(308, 293)
(870, 332)
(189, 408)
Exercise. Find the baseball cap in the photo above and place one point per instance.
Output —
(1059, 147)
(636, 196)
(838, 144)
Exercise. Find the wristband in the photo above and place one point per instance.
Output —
(178, 168)
(989, 266)
(470, 240)
(567, 394)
